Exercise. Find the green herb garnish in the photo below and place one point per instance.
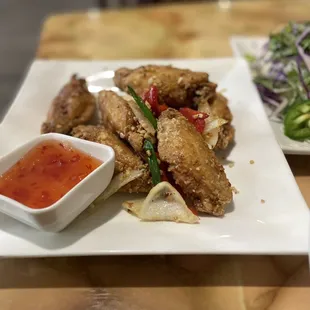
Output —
(152, 161)
(145, 110)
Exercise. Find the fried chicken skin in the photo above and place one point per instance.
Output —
(74, 105)
(117, 115)
(227, 132)
(177, 87)
(220, 107)
(193, 165)
(125, 159)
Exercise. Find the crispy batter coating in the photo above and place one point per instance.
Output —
(177, 87)
(221, 109)
(194, 167)
(74, 105)
(125, 159)
(117, 116)
(226, 136)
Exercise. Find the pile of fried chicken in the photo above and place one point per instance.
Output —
(184, 101)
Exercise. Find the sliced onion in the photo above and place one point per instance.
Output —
(212, 137)
(212, 125)
(134, 206)
(212, 130)
(205, 107)
(144, 122)
(117, 183)
(163, 203)
(279, 109)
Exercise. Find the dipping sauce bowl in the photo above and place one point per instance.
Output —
(49, 181)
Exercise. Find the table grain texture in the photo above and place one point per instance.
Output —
(180, 282)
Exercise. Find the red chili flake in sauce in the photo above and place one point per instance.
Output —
(46, 173)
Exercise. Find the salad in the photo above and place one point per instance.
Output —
(282, 76)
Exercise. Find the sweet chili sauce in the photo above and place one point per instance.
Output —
(46, 173)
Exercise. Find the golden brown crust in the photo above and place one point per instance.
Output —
(193, 165)
(118, 117)
(74, 105)
(177, 87)
(125, 159)
(226, 136)
(220, 108)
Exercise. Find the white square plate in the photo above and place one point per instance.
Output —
(252, 46)
(278, 226)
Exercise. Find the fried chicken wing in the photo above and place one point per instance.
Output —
(117, 115)
(73, 106)
(125, 159)
(193, 165)
(220, 107)
(227, 132)
(177, 87)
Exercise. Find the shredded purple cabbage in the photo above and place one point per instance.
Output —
(307, 90)
(302, 53)
(268, 95)
(282, 70)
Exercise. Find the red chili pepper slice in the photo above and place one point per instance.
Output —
(151, 96)
(194, 210)
(195, 117)
(161, 108)
(200, 124)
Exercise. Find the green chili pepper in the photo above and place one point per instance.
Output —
(146, 111)
(297, 121)
(152, 161)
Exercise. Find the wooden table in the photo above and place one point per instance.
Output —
(154, 282)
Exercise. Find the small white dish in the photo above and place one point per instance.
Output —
(242, 46)
(60, 214)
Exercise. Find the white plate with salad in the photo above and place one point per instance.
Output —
(280, 67)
